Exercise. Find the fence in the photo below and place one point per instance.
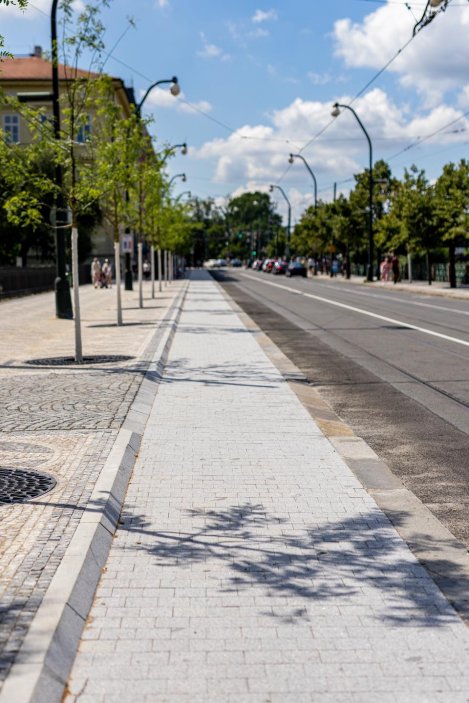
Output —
(24, 281)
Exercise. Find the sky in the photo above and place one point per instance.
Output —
(259, 79)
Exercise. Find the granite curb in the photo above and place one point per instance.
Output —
(430, 541)
(40, 671)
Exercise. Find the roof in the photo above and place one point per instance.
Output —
(37, 68)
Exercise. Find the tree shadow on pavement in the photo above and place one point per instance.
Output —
(357, 560)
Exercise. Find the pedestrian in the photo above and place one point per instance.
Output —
(395, 269)
(107, 274)
(95, 272)
(146, 270)
(385, 268)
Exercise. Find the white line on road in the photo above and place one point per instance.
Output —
(392, 320)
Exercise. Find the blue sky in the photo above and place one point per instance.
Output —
(265, 75)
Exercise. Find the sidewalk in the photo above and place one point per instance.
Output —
(438, 288)
(64, 422)
(250, 565)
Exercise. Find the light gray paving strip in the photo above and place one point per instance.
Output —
(250, 563)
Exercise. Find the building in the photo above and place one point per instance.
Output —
(23, 75)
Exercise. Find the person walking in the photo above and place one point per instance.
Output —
(96, 272)
(107, 274)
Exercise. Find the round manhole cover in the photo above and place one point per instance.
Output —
(70, 360)
(18, 486)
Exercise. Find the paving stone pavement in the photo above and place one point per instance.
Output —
(250, 565)
(61, 421)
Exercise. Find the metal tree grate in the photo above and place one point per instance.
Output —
(18, 486)
(70, 361)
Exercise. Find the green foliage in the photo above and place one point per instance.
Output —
(451, 202)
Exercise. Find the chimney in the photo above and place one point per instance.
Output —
(38, 52)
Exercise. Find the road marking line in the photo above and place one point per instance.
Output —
(393, 321)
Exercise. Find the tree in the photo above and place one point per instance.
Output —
(113, 152)
(250, 220)
(410, 221)
(451, 208)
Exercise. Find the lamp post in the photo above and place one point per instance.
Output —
(336, 113)
(287, 247)
(63, 302)
(175, 89)
(182, 176)
(299, 156)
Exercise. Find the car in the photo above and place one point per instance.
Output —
(220, 263)
(279, 267)
(236, 263)
(268, 265)
(295, 268)
(257, 265)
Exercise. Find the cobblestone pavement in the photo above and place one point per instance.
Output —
(63, 422)
(251, 566)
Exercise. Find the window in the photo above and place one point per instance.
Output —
(84, 131)
(11, 127)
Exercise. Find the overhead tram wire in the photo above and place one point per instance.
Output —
(359, 94)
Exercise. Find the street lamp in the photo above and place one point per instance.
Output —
(175, 89)
(63, 301)
(182, 176)
(287, 247)
(427, 18)
(299, 156)
(335, 113)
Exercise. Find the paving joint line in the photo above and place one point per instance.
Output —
(423, 533)
(40, 671)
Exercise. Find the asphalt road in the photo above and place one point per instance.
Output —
(393, 365)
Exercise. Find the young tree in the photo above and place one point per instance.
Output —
(113, 152)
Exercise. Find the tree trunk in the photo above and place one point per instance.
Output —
(152, 265)
(140, 274)
(76, 296)
(166, 267)
(429, 269)
(452, 265)
(409, 266)
(160, 273)
(117, 263)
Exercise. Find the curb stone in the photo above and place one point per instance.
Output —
(436, 548)
(41, 668)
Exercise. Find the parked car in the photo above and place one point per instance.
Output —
(236, 263)
(220, 263)
(280, 267)
(295, 268)
(257, 265)
(268, 265)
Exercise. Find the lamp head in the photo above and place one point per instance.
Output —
(335, 110)
(175, 87)
(271, 189)
(184, 149)
(183, 178)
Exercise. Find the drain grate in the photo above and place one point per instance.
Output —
(18, 486)
(70, 360)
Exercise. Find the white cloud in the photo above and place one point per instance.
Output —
(211, 51)
(319, 78)
(256, 155)
(434, 62)
(264, 16)
(161, 4)
(258, 33)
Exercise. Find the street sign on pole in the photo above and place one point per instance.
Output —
(127, 244)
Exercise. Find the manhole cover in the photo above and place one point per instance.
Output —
(70, 360)
(17, 486)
